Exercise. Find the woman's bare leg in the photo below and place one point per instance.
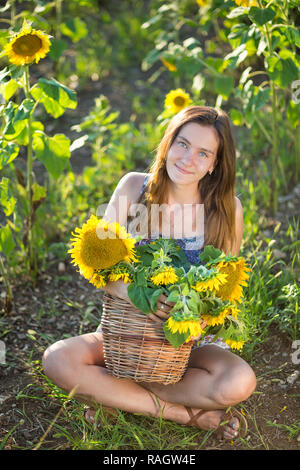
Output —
(213, 382)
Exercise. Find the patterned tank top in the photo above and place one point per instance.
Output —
(192, 246)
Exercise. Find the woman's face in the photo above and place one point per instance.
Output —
(192, 154)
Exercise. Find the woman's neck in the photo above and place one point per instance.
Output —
(183, 194)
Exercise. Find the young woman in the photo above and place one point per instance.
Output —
(194, 165)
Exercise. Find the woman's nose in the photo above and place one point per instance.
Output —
(189, 157)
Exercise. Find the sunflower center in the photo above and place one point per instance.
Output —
(27, 45)
(179, 101)
(101, 254)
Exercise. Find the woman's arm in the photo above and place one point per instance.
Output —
(239, 227)
(124, 195)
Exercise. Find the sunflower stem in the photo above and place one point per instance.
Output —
(31, 250)
(12, 13)
(8, 301)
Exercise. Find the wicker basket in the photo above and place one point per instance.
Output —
(135, 347)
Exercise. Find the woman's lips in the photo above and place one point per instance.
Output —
(183, 171)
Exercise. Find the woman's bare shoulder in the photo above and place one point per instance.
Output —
(238, 206)
(131, 184)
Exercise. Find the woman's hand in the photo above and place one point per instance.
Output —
(163, 310)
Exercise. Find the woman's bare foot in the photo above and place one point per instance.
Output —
(229, 424)
(90, 413)
(228, 427)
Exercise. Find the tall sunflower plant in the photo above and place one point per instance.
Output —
(206, 296)
(20, 127)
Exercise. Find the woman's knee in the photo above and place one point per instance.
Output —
(235, 384)
(56, 361)
(63, 360)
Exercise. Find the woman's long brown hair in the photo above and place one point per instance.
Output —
(217, 190)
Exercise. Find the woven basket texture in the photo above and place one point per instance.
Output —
(135, 347)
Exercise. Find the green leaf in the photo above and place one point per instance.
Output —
(9, 89)
(237, 12)
(261, 16)
(293, 112)
(224, 85)
(54, 96)
(282, 71)
(7, 243)
(4, 73)
(8, 152)
(38, 192)
(154, 298)
(58, 47)
(7, 201)
(209, 253)
(176, 339)
(53, 152)
(16, 118)
(138, 296)
(75, 29)
(236, 117)
(141, 280)
(150, 59)
(237, 56)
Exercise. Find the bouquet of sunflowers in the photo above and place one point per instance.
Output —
(209, 293)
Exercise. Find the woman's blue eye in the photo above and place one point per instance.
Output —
(181, 142)
(203, 153)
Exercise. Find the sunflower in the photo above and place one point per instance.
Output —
(245, 3)
(98, 280)
(235, 344)
(176, 100)
(165, 276)
(100, 245)
(212, 283)
(217, 319)
(27, 46)
(184, 326)
(116, 276)
(236, 271)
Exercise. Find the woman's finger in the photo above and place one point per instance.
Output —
(163, 299)
(155, 318)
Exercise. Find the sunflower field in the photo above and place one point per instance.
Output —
(87, 88)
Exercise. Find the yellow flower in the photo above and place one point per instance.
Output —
(167, 276)
(99, 245)
(27, 46)
(98, 280)
(176, 100)
(236, 272)
(184, 326)
(210, 284)
(116, 276)
(213, 320)
(235, 344)
(245, 3)
(169, 65)
(202, 3)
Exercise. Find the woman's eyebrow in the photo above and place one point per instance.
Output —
(188, 142)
